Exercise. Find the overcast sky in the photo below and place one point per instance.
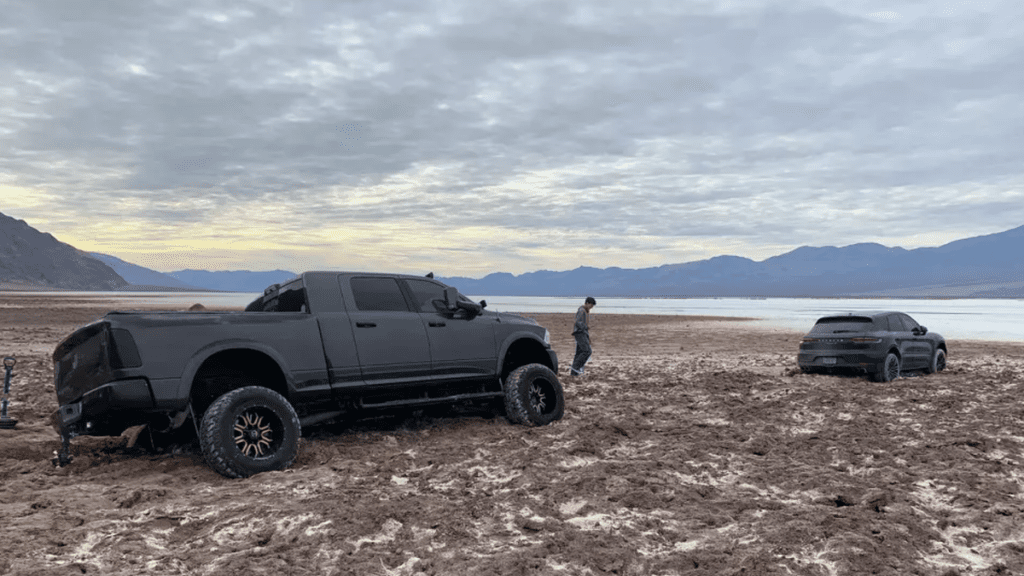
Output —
(467, 137)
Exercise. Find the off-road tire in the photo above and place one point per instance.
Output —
(938, 363)
(533, 396)
(248, 431)
(890, 369)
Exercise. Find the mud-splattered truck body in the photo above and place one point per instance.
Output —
(318, 347)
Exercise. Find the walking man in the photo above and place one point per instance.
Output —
(581, 331)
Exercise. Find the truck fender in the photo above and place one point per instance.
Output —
(512, 339)
(204, 353)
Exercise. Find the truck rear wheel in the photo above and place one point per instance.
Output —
(533, 395)
(248, 431)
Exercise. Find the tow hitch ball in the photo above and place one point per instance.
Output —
(6, 422)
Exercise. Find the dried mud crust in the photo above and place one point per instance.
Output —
(691, 447)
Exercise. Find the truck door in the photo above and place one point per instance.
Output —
(461, 345)
(327, 303)
(391, 340)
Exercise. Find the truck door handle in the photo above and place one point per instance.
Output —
(365, 325)
(436, 324)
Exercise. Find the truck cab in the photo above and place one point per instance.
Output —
(321, 346)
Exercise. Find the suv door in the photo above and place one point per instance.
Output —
(919, 345)
(904, 341)
(390, 338)
(461, 345)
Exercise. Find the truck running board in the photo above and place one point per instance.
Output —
(427, 401)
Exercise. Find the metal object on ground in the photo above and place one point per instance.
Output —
(63, 458)
(7, 422)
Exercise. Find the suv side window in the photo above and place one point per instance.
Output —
(909, 322)
(896, 323)
(380, 294)
(425, 292)
(893, 324)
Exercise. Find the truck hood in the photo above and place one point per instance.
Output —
(516, 319)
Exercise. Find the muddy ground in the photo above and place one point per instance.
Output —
(692, 446)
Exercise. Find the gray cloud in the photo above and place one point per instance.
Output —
(755, 125)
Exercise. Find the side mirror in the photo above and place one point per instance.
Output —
(921, 330)
(483, 304)
(451, 299)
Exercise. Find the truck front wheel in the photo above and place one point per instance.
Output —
(533, 395)
(248, 431)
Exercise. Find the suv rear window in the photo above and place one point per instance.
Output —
(836, 324)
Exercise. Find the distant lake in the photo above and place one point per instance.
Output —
(979, 319)
(976, 318)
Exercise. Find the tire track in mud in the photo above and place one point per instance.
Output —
(680, 453)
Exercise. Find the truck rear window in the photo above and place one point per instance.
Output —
(290, 298)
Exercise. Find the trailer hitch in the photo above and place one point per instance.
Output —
(6, 422)
(63, 457)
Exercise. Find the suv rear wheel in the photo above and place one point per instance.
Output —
(533, 395)
(890, 369)
(248, 431)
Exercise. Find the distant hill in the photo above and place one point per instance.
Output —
(142, 278)
(33, 259)
(232, 280)
(139, 277)
(983, 266)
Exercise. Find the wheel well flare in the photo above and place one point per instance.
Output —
(231, 369)
(522, 352)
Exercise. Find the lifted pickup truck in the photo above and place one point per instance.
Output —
(321, 346)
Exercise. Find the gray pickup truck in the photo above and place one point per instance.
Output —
(322, 346)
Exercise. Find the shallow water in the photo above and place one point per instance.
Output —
(977, 318)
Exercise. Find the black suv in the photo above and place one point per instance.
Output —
(881, 344)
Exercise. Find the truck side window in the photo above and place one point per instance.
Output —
(292, 300)
(425, 293)
(378, 294)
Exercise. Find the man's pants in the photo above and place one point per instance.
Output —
(583, 351)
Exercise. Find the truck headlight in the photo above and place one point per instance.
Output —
(547, 337)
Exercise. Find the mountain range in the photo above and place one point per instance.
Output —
(982, 266)
(145, 279)
(30, 258)
(34, 260)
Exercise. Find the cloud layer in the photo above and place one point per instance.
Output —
(471, 137)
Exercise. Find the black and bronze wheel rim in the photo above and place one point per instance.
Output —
(258, 432)
(541, 396)
(892, 368)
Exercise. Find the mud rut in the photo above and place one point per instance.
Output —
(692, 447)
